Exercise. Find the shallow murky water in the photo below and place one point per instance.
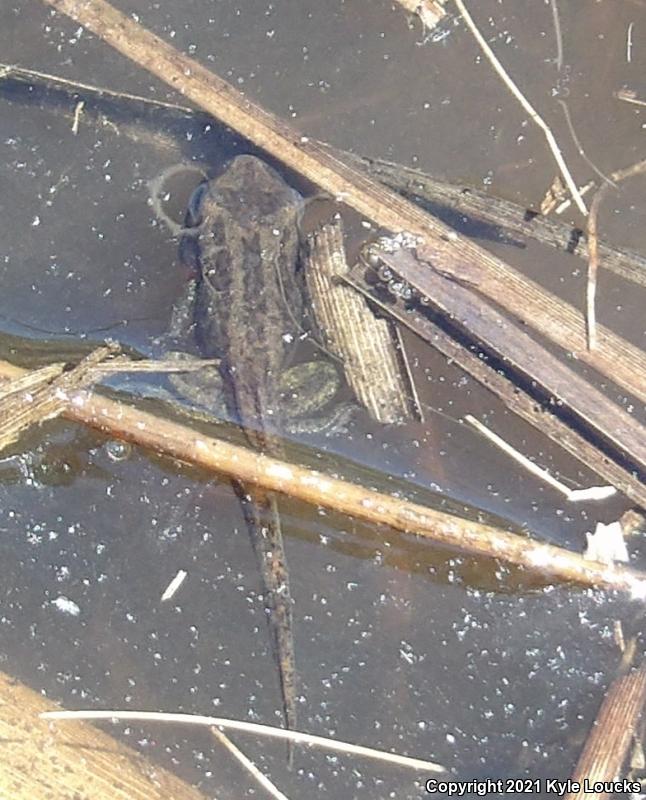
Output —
(399, 644)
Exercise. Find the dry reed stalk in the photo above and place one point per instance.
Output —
(611, 734)
(318, 489)
(546, 313)
(80, 762)
(43, 394)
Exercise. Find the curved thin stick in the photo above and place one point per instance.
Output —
(250, 727)
(551, 141)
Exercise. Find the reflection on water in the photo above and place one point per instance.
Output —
(399, 644)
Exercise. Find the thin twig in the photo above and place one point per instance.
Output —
(593, 247)
(558, 35)
(56, 82)
(248, 764)
(251, 727)
(529, 109)
(574, 495)
(579, 146)
(629, 96)
(593, 267)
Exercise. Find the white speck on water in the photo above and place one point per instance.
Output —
(66, 605)
(35, 221)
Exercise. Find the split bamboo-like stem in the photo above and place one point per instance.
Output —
(318, 489)
(365, 343)
(560, 322)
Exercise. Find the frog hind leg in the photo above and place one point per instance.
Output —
(204, 389)
(331, 422)
(307, 391)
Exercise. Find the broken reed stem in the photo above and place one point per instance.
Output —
(430, 12)
(578, 145)
(318, 489)
(505, 286)
(593, 246)
(608, 743)
(528, 108)
(42, 394)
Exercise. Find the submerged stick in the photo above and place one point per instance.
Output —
(318, 489)
(615, 358)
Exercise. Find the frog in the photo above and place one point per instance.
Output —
(243, 306)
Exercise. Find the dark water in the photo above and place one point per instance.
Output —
(399, 645)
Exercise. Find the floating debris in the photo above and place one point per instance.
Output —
(174, 585)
